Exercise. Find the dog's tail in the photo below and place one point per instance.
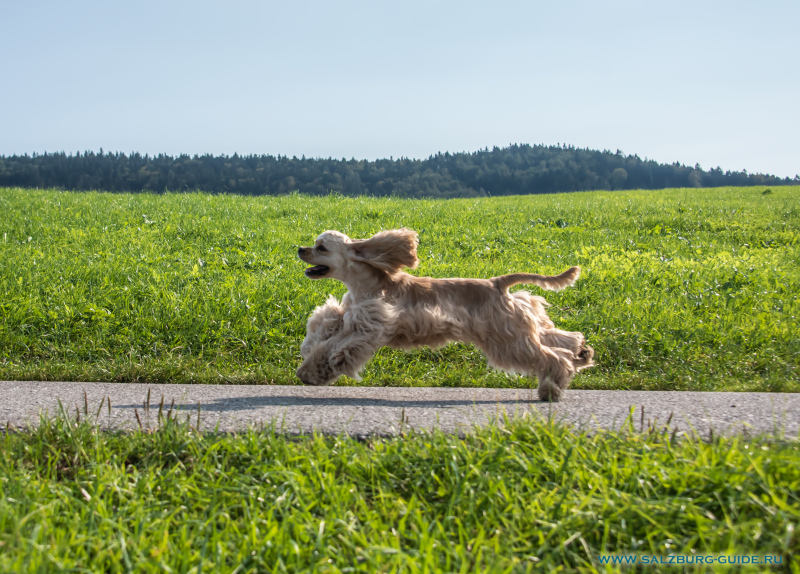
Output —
(551, 282)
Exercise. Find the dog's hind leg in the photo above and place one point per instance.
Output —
(572, 341)
(553, 367)
(555, 371)
(583, 359)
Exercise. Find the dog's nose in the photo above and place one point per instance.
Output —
(301, 250)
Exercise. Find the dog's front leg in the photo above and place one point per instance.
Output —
(316, 368)
(572, 341)
(326, 321)
(347, 351)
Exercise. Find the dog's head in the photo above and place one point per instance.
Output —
(336, 256)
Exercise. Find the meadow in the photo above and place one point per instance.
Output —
(681, 289)
(520, 496)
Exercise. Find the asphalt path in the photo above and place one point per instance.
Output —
(364, 411)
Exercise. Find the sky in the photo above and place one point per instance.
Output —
(714, 83)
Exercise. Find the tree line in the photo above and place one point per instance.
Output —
(514, 170)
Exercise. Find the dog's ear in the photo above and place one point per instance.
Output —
(388, 250)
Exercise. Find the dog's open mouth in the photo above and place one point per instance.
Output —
(317, 271)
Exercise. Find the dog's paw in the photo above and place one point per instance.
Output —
(549, 391)
(316, 372)
(584, 358)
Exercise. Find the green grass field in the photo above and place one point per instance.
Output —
(681, 289)
(527, 495)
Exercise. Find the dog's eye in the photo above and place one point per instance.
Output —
(322, 248)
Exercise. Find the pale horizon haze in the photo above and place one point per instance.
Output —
(714, 83)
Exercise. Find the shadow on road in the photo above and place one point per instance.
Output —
(256, 402)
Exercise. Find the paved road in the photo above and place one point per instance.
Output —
(369, 410)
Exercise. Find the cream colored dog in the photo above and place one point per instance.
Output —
(385, 306)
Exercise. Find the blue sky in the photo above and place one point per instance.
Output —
(715, 83)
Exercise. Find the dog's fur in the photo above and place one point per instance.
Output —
(385, 306)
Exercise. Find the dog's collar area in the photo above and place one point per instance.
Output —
(317, 271)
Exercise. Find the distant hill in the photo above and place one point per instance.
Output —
(514, 170)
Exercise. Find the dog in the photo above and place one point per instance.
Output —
(384, 306)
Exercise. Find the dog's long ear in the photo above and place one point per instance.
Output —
(388, 250)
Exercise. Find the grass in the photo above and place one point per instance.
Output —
(681, 289)
(524, 495)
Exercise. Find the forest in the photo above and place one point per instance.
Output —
(518, 169)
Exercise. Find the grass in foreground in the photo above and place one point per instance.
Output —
(681, 289)
(526, 495)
